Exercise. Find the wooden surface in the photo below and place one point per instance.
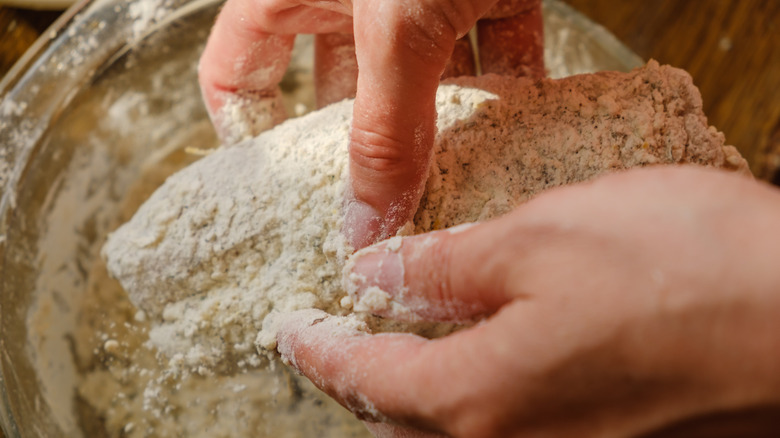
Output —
(19, 28)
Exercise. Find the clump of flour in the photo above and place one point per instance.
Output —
(254, 229)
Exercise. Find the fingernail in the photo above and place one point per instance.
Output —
(374, 279)
(362, 224)
(287, 329)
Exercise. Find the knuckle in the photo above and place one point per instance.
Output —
(442, 273)
(360, 406)
(377, 153)
(460, 15)
(430, 29)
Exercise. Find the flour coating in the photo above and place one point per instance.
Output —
(254, 229)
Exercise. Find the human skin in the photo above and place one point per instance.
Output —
(402, 48)
(609, 308)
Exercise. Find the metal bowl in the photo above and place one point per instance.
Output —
(107, 94)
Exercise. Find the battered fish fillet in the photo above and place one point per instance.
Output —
(254, 228)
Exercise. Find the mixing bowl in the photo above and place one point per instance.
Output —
(99, 110)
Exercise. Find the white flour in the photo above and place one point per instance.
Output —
(254, 229)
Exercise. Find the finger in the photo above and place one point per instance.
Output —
(385, 430)
(511, 39)
(239, 70)
(461, 63)
(246, 56)
(324, 348)
(450, 275)
(402, 48)
(510, 8)
(335, 68)
(400, 379)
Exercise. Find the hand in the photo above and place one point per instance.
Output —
(612, 308)
(402, 47)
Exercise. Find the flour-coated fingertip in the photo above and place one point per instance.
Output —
(362, 224)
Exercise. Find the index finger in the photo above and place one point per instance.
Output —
(402, 48)
(511, 39)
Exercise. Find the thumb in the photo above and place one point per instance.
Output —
(451, 275)
(402, 48)
(412, 383)
(388, 430)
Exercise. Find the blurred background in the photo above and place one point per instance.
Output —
(730, 47)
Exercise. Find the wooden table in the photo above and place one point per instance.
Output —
(731, 47)
(19, 28)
